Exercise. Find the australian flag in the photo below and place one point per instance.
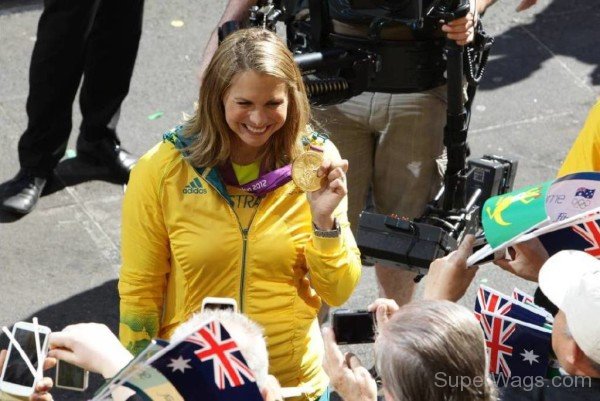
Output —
(492, 301)
(515, 348)
(208, 365)
(582, 237)
(586, 193)
(522, 296)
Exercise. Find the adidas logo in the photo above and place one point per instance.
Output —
(194, 187)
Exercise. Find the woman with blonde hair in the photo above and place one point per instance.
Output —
(213, 211)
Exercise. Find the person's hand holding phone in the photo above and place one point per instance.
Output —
(351, 380)
(42, 387)
(384, 308)
(91, 346)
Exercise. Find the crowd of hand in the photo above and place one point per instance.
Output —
(95, 348)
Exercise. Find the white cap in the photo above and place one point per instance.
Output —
(571, 280)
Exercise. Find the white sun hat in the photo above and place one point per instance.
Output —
(571, 280)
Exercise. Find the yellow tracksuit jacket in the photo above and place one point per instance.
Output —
(585, 152)
(182, 241)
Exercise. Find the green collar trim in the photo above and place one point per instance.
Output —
(181, 143)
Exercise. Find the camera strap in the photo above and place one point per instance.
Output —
(475, 61)
(319, 26)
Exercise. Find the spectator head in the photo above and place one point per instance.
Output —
(247, 335)
(571, 280)
(261, 51)
(433, 350)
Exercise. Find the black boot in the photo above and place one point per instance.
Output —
(20, 195)
(107, 152)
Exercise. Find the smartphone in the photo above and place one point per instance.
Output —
(16, 377)
(71, 377)
(215, 303)
(353, 326)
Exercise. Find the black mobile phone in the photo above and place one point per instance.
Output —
(71, 377)
(353, 326)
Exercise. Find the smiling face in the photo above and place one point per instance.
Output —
(255, 108)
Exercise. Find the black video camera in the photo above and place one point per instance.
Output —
(414, 244)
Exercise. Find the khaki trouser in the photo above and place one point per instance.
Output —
(394, 143)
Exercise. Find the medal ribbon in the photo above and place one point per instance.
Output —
(272, 180)
(261, 186)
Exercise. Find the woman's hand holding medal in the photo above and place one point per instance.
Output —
(326, 199)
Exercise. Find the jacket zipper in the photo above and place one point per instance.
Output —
(243, 278)
(244, 252)
(244, 232)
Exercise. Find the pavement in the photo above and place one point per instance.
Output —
(60, 263)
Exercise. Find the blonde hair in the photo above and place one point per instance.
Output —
(433, 351)
(256, 50)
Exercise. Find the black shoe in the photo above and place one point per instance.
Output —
(20, 195)
(107, 152)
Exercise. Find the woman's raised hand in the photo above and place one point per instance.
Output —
(324, 201)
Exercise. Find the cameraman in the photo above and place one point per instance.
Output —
(393, 138)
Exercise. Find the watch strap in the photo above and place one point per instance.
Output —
(334, 233)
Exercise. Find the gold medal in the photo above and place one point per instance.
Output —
(304, 171)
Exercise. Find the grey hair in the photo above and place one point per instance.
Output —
(426, 347)
(248, 335)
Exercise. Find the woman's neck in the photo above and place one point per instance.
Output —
(244, 156)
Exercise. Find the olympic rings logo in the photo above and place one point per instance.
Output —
(580, 203)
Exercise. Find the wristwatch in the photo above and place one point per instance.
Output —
(328, 233)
